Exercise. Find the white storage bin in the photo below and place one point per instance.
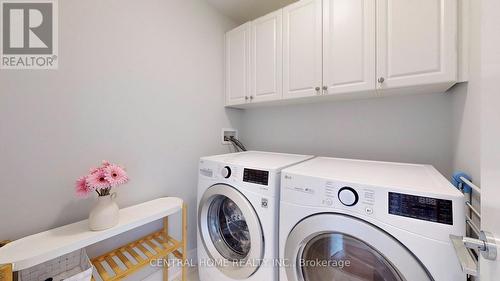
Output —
(74, 266)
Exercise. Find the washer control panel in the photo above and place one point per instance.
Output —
(256, 176)
(264, 182)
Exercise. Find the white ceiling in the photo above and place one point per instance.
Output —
(245, 10)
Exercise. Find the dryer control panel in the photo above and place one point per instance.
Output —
(332, 194)
(421, 207)
(420, 213)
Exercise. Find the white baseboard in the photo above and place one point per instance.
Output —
(175, 271)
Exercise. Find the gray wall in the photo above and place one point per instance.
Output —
(467, 103)
(415, 128)
(466, 131)
(140, 83)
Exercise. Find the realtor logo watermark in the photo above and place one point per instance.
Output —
(29, 34)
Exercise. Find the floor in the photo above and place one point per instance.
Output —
(191, 276)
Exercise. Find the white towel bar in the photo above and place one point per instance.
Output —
(473, 186)
(476, 212)
(472, 225)
(486, 244)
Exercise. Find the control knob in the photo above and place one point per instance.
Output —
(226, 172)
(348, 196)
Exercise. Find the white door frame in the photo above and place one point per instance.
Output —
(490, 131)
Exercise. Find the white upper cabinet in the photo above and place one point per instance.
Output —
(348, 46)
(237, 65)
(344, 48)
(416, 43)
(302, 50)
(266, 56)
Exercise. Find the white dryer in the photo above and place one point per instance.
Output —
(353, 220)
(238, 204)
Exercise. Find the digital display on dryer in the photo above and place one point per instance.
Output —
(256, 176)
(420, 207)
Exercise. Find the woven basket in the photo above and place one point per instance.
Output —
(74, 266)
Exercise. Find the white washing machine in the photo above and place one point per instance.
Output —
(238, 204)
(353, 220)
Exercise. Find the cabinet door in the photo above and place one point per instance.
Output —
(349, 46)
(237, 64)
(266, 58)
(416, 42)
(302, 58)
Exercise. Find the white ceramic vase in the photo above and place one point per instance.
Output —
(104, 214)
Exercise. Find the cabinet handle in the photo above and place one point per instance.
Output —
(325, 89)
(251, 97)
(246, 97)
(381, 80)
(317, 89)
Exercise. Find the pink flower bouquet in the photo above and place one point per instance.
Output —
(101, 180)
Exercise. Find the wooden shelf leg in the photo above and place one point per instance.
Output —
(6, 272)
(165, 265)
(184, 242)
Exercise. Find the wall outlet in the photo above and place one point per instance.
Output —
(228, 132)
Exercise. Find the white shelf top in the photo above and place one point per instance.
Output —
(44, 246)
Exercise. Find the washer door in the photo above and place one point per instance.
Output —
(231, 231)
(335, 247)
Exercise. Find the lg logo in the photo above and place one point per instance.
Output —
(29, 33)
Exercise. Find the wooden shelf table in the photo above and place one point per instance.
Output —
(39, 248)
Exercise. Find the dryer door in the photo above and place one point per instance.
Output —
(231, 231)
(335, 247)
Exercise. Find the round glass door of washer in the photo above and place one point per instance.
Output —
(230, 231)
